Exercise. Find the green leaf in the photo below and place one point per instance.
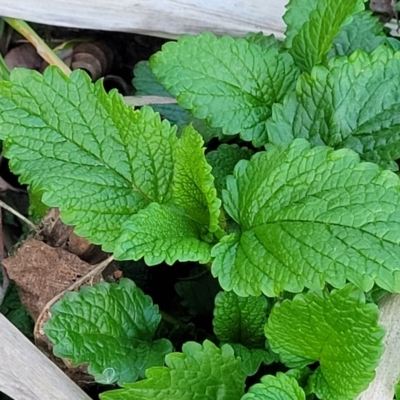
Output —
(397, 391)
(198, 291)
(365, 32)
(240, 322)
(108, 167)
(353, 103)
(92, 156)
(223, 161)
(230, 82)
(159, 233)
(337, 329)
(37, 210)
(240, 319)
(253, 358)
(200, 372)
(193, 182)
(312, 26)
(265, 42)
(110, 327)
(309, 216)
(173, 232)
(281, 387)
(146, 83)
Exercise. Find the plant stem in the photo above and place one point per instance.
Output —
(41, 47)
(18, 215)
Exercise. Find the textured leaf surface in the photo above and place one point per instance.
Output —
(173, 232)
(353, 103)
(230, 82)
(281, 387)
(200, 372)
(160, 233)
(240, 319)
(96, 159)
(265, 42)
(146, 83)
(110, 327)
(253, 358)
(223, 161)
(312, 26)
(309, 216)
(102, 163)
(337, 329)
(365, 32)
(193, 182)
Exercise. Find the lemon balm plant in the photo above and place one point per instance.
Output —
(300, 224)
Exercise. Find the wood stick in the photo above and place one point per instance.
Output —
(27, 374)
(388, 371)
(164, 18)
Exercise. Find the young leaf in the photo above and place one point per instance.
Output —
(352, 103)
(240, 319)
(337, 329)
(223, 161)
(193, 183)
(281, 387)
(312, 26)
(199, 372)
(160, 233)
(92, 156)
(365, 32)
(230, 82)
(173, 232)
(309, 216)
(110, 327)
(240, 322)
(253, 358)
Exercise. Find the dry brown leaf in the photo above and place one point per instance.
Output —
(41, 272)
(24, 56)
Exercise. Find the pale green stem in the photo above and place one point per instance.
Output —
(41, 47)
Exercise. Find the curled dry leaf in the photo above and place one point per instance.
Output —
(24, 56)
(55, 233)
(95, 58)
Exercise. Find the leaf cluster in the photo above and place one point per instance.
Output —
(278, 176)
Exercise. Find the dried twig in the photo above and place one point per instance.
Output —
(41, 47)
(19, 215)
